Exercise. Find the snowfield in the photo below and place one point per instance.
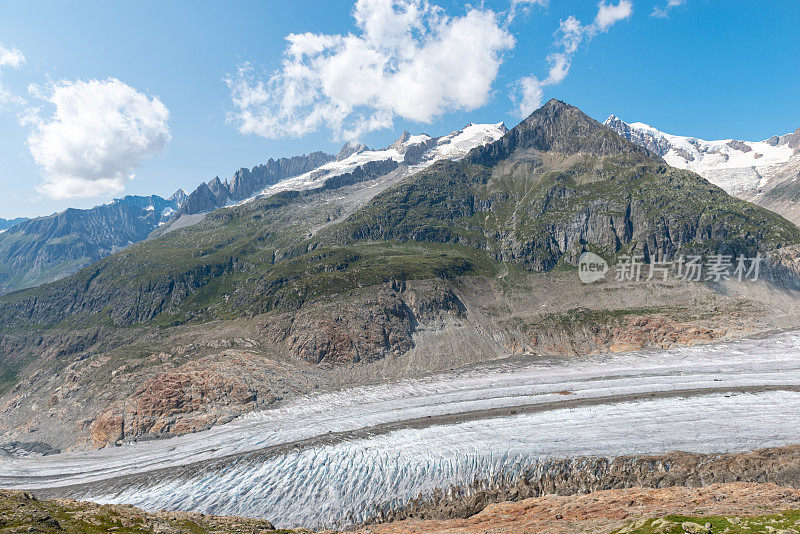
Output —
(453, 146)
(735, 166)
(329, 458)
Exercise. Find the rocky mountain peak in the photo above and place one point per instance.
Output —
(561, 128)
(399, 144)
(794, 140)
(179, 197)
(349, 149)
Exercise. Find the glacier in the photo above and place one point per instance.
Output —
(327, 459)
(736, 166)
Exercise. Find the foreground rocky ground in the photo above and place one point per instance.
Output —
(22, 512)
(731, 508)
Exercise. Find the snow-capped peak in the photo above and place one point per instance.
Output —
(736, 166)
(427, 151)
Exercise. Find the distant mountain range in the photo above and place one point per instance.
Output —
(44, 249)
(5, 224)
(765, 172)
(354, 163)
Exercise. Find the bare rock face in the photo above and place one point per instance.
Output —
(192, 397)
(245, 182)
(363, 330)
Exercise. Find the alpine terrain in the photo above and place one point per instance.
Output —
(291, 339)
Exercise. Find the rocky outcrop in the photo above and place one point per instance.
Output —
(656, 144)
(348, 149)
(363, 330)
(246, 182)
(194, 396)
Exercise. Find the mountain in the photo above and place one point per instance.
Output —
(5, 224)
(48, 248)
(354, 162)
(245, 182)
(408, 154)
(431, 254)
(765, 172)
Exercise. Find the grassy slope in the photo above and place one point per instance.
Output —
(20, 513)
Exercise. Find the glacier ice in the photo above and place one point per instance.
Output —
(325, 457)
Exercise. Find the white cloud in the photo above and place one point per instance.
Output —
(664, 11)
(524, 6)
(15, 59)
(608, 14)
(11, 58)
(98, 134)
(408, 59)
(529, 90)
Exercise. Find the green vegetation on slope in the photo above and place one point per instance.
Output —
(20, 512)
(785, 522)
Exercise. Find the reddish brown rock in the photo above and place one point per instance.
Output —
(605, 511)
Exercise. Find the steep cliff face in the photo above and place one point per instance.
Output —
(48, 248)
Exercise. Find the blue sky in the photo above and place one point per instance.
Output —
(709, 68)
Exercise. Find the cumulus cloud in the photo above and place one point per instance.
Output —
(663, 11)
(407, 59)
(608, 14)
(99, 132)
(11, 57)
(569, 36)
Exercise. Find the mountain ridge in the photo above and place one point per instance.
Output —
(765, 172)
(46, 248)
